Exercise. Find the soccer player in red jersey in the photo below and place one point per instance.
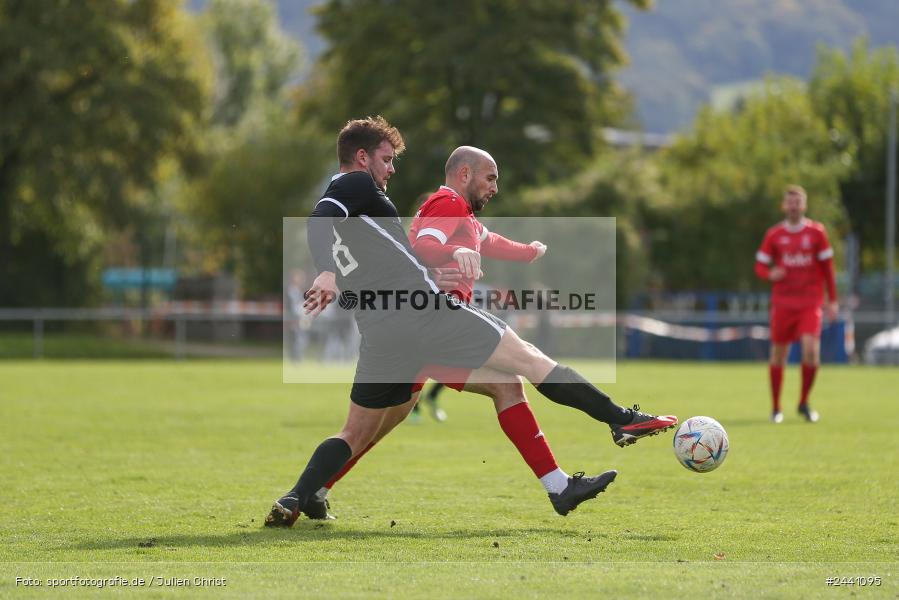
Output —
(796, 257)
(446, 231)
(446, 234)
(446, 227)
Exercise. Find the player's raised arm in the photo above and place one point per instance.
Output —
(493, 245)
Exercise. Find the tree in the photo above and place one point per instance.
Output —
(851, 93)
(95, 96)
(724, 180)
(264, 164)
(239, 204)
(254, 59)
(528, 81)
(615, 184)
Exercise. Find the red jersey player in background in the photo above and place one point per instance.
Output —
(796, 257)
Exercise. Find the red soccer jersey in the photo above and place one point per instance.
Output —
(445, 223)
(805, 252)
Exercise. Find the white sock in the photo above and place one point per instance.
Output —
(322, 493)
(555, 482)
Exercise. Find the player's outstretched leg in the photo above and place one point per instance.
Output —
(521, 427)
(641, 425)
(579, 489)
(566, 386)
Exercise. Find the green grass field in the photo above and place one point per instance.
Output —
(160, 469)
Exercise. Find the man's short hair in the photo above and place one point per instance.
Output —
(795, 189)
(366, 134)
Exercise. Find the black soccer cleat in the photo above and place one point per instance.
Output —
(284, 513)
(641, 426)
(579, 489)
(318, 509)
(810, 415)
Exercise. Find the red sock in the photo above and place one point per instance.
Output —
(776, 374)
(521, 428)
(808, 380)
(349, 465)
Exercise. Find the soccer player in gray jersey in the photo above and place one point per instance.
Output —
(359, 246)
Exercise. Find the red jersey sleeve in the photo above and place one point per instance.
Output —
(764, 257)
(493, 245)
(436, 223)
(825, 263)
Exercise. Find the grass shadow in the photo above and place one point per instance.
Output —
(304, 533)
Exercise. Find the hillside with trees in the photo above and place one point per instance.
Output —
(164, 121)
(681, 51)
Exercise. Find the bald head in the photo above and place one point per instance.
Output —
(466, 156)
(473, 173)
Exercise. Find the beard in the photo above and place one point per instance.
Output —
(476, 203)
(381, 186)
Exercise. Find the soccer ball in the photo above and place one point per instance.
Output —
(700, 444)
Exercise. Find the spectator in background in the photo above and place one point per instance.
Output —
(296, 323)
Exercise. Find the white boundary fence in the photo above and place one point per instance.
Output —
(691, 326)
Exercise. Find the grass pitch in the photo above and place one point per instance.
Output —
(164, 471)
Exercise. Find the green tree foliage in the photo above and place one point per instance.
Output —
(264, 165)
(724, 182)
(615, 184)
(95, 95)
(851, 93)
(528, 81)
(253, 58)
(241, 201)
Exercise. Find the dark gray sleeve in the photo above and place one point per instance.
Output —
(320, 234)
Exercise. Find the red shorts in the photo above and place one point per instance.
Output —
(452, 377)
(790, 324)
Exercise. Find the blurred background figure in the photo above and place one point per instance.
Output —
(339, 334)
(432, 400)
(295, 323)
